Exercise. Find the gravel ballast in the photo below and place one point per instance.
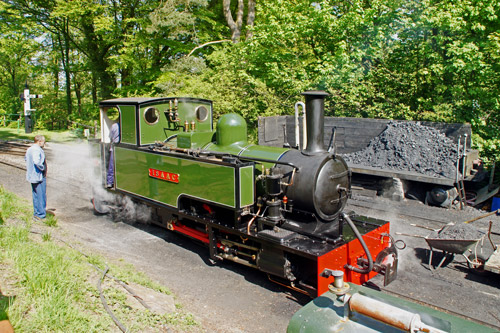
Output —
(460, 231)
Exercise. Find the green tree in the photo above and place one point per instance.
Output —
(17, 48)
(426, 60)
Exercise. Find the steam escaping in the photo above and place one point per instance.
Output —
(393, 188)
(74, 164)
(70, 164)
(128, 211)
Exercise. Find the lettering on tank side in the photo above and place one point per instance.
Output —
(164, 175)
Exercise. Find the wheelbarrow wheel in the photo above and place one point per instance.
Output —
(476, 263)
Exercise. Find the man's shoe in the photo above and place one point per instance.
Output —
(109, 186)
(50, 212)
(38, 219)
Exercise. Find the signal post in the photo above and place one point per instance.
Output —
(26, 97)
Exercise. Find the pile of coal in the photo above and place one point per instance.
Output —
(460, 231)
(409, 146)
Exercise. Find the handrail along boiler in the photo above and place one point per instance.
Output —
(279, 210)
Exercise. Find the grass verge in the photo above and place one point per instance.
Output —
(7, 133)
(53, 286)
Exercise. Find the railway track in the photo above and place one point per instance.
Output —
(17, 150)
(69, 183)
(13, 165)
(14, 148)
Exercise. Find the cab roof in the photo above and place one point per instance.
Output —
(145, 100)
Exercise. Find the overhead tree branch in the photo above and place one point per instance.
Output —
(203, 45)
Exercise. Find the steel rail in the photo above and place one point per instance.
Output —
(49, 177)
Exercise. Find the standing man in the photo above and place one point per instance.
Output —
(114, 137)
(36, 171)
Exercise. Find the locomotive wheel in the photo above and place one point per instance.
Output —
(476, 263)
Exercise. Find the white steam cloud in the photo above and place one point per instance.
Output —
(74, 164)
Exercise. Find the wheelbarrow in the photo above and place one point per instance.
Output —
(449, 247)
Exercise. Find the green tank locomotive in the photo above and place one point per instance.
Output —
(279, 210)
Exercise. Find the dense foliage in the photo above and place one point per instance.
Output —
(422, 60)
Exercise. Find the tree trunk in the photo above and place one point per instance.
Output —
(78, 93)
(69, 101)
(64, 48)
(61, 47)
(107, 82)
(94, 88)
(126, 78)
(250, 18)
(55, 72)
(67, 71)
(97, 52)
(15, 91)
(235, 26)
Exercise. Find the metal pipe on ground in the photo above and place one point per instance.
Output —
(483, 216)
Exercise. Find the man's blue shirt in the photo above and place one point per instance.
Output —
(114, 133)
(35, 164)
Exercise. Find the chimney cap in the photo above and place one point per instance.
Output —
(315, 93)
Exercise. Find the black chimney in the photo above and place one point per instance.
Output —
(315, 118)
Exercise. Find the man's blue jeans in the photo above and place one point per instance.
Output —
(110, 179)
(39, 198)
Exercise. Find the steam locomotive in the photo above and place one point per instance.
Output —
(279, 210)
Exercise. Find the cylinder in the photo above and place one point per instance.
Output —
(315, 104)
(273, 211)
(383, 312)
(273, 186)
